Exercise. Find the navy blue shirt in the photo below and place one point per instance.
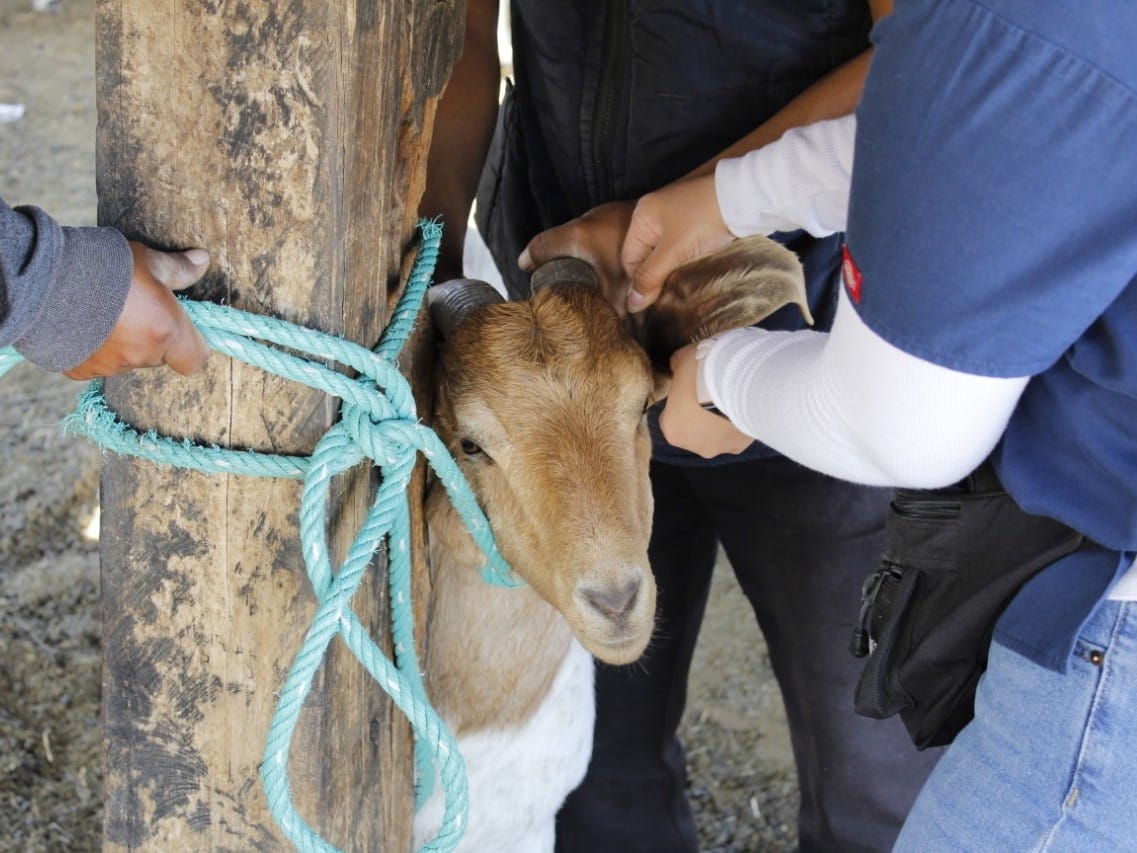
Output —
(993, 218)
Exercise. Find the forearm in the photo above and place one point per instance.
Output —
(800, 181)
(63, 288)
(463, 127)
(851, 405)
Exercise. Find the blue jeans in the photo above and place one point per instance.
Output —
(1049, 763)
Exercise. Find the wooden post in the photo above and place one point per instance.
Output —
(288, 137)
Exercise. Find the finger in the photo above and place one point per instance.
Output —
(187, 351)
(556, 242)
(640, 242)
(649, 277)
(96, 368)
(176, 270)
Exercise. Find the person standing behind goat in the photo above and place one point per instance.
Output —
(611, 101)
(990, 310)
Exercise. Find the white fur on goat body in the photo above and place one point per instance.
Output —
(518, 777)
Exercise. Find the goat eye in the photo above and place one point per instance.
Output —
(470, 448)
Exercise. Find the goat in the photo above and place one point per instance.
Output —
(543, 404)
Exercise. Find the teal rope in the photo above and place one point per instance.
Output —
(378, 422)
(9, 358)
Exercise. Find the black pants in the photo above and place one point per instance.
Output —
(800, 545)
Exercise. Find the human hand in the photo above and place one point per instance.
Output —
(685, 423)
(153, 329)
(670, 227)
(595, 237)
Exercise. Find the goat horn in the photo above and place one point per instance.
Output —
(564, 271)
(452, 300)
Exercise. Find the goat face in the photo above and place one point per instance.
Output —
(542, 403)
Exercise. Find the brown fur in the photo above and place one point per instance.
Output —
(515, 655)
(553, 391)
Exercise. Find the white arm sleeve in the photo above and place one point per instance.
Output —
(851, 405)
(798, 181)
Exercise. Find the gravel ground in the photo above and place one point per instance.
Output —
(742, 781)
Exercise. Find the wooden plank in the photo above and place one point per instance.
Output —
(288, 137)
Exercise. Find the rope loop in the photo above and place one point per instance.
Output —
(378, 423)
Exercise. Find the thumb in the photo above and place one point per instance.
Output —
(640, 241)
(176, 270)
(649, 277)
(187, 350)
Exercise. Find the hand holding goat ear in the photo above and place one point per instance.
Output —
(672, 226)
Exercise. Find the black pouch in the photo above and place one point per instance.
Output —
(953, 560)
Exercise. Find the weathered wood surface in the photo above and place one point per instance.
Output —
(288, 137)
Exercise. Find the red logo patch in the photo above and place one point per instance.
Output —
(851, 274)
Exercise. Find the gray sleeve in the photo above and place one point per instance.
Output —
(61, 289)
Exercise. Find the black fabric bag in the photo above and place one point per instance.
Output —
(953, 560)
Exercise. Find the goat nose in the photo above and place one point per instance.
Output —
(615, 601)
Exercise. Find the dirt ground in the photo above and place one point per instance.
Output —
(742, 782)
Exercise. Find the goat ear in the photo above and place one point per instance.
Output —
(451, 301)
(734, 287)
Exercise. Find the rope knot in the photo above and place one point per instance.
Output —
(377, 439)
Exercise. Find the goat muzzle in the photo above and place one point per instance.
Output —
(614, 618)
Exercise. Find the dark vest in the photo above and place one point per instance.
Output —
(615, 99)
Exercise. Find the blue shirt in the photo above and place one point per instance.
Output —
(993, 218)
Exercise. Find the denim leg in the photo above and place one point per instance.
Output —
(801, 544)
(1049, 762)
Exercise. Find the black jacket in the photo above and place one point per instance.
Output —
(614, 99)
